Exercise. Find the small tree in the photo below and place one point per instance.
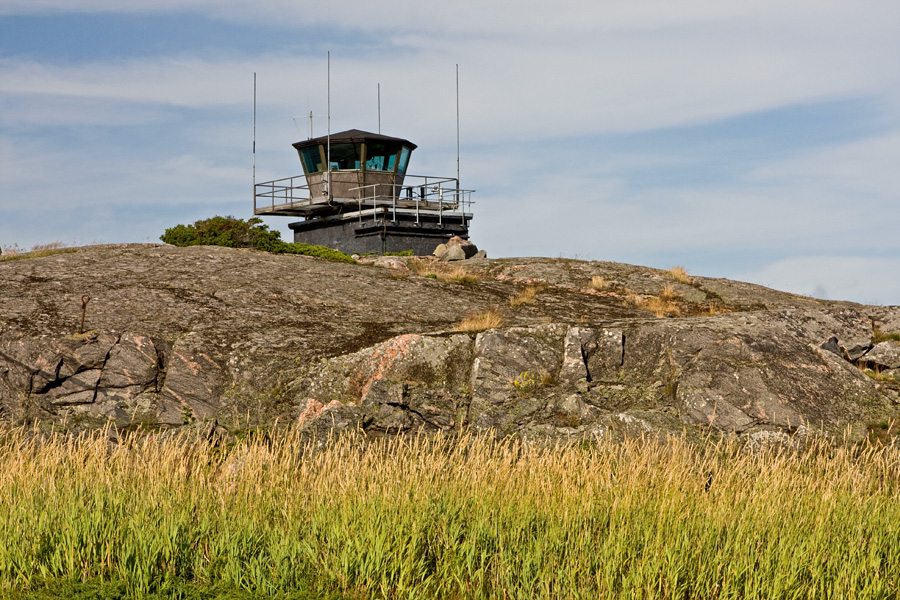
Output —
(224, 231)
(238, 233)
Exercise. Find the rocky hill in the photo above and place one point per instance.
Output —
(241, 338)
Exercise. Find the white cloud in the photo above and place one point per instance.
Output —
(862, 167)
(190, 82)
(868, 280)
(501, 17)
(174, 132)
(812, 204)
(529, 70)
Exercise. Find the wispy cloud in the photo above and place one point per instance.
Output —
(647, 131)
(864, 279)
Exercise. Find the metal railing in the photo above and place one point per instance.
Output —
(431, 196)
(418, 193)
(281, 192)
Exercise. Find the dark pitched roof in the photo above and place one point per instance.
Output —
(354, 135)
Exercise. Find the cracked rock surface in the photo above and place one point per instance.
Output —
(174, 336)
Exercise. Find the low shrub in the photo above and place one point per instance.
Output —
(311, 250)
(223, 231)
(238, 233)
(528, 382)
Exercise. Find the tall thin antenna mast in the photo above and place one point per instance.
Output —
(254, 137)
(328, 166)
(379, 109)
(457, 127)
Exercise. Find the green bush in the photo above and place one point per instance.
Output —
(310, 250)
(238, 233)
(223, 231)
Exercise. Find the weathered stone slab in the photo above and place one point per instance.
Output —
(510, 363)
(194, 383)
(885, 355)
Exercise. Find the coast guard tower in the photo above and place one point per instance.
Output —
(356, 196)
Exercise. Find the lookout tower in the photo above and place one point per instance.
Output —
(364, 200)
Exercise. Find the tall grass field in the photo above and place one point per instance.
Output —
(440, 517)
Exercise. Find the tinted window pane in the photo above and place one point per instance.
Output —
(312, 160)
(375, 163)
(404, 160)
(377, 156)
(345, 156)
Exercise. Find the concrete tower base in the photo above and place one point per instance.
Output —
(355, 237)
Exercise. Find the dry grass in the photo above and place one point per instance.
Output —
(527, 295)
(420, 266)
(882, 336)
(599, 283)
(663, 307)
(489, 319)
(680, 275)
(664, 304)
(716, 308)
(877, 373)
(437, 270)
(459, 275)
(16, 253)
(448, 518)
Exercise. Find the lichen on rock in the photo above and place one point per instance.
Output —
(179, 336)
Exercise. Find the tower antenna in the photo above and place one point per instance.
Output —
(328, 158)
(254, 138)
(457, 126)
(379, 109)
(310, 116)
(457, 129)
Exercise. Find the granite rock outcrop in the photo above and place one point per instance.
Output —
(175, 336)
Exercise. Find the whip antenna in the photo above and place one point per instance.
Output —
(254, 141)
(328, 167)
(457, 126)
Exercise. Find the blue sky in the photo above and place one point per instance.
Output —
(755, 141)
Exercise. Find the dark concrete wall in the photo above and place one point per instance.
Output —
(354, 237)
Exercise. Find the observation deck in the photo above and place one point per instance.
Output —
(366, 192)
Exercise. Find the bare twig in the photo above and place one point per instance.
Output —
(84, 302)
